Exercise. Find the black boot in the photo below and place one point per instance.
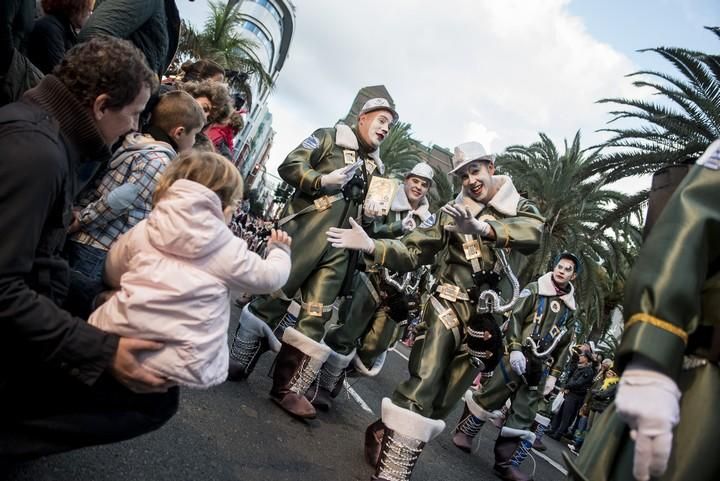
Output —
(330, 381)
(253, 337)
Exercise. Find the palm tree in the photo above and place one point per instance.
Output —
(399, 152)
(678, 128)
(219, 41)
(576, 204)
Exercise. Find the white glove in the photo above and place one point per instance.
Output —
(549, 385)
(339, 177)
(465, 223)
(371, 209)
(517, 362)
(354, 238)
(649, 402)
(408, 223)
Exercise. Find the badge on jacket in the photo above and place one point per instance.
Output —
(311, 143)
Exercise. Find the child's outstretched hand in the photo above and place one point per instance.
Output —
(279, 238)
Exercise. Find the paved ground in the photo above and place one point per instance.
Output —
(234, 432)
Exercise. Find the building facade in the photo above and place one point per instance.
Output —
(270, 24)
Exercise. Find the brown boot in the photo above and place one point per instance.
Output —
(330, 381)
(504, 449)
(373, 442)
(296, 368)
(406, 434)
(471, 421)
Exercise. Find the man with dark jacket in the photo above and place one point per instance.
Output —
(575, 390)
(63, 383)
(152, 25)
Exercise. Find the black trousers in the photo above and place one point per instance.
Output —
(53, 414)
(562, 420)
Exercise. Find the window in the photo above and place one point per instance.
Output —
(261, 36)
(272, 9)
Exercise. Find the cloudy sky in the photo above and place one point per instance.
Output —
(496, 71)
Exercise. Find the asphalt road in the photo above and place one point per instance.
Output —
(234, 432)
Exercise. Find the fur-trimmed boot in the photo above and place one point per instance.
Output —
(358, 368)
(253, 337)
(511, 447)
(472, 420)
(330, 380)
(296, 367)
(406, 434)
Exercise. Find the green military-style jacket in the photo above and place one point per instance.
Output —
(555, 311)
(515, 220)
(674, 291)
(324, 151)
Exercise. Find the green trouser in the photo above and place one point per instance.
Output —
(506, 384)
(440, 372)
(607, 453)
(361, 317)
(318, 283)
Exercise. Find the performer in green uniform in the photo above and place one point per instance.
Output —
(663, 424)
(376, 307)
(466, 244)
(330, 171)
(540, 331)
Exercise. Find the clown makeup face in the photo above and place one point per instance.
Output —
(373, 127)
(477, 181)
(564, 272)
(416, 188)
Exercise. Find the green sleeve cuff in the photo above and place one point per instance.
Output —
(660, 346)
(502, 234)
(310, 182)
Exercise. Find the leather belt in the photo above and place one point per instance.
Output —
(320, 204)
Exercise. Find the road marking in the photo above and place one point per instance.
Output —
(399, 353)
(550, 462)
(357, 398)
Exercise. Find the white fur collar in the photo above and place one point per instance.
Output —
(345, 137)
(547, 288)
(505, 200)
(401, 204)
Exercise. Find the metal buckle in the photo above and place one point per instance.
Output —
(512, 385)
(448, 292)
(472, 250)
(323, 203)
(315, 309)
(554, 331)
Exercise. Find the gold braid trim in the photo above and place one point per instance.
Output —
(659, 323)
(506, 231)
(302, 179)
(384, 251)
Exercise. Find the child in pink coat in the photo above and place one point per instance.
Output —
(175, 270)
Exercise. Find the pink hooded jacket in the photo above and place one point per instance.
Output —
(175, 271)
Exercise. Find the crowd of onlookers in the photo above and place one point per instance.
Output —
(118, 261)
(34, 37)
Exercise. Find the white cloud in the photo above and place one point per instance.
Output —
(493, 71)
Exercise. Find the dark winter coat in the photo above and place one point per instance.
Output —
(601, 398)
(48, 41)
(17, 74)
(580, 380)
(43, 138)
(152, 25)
